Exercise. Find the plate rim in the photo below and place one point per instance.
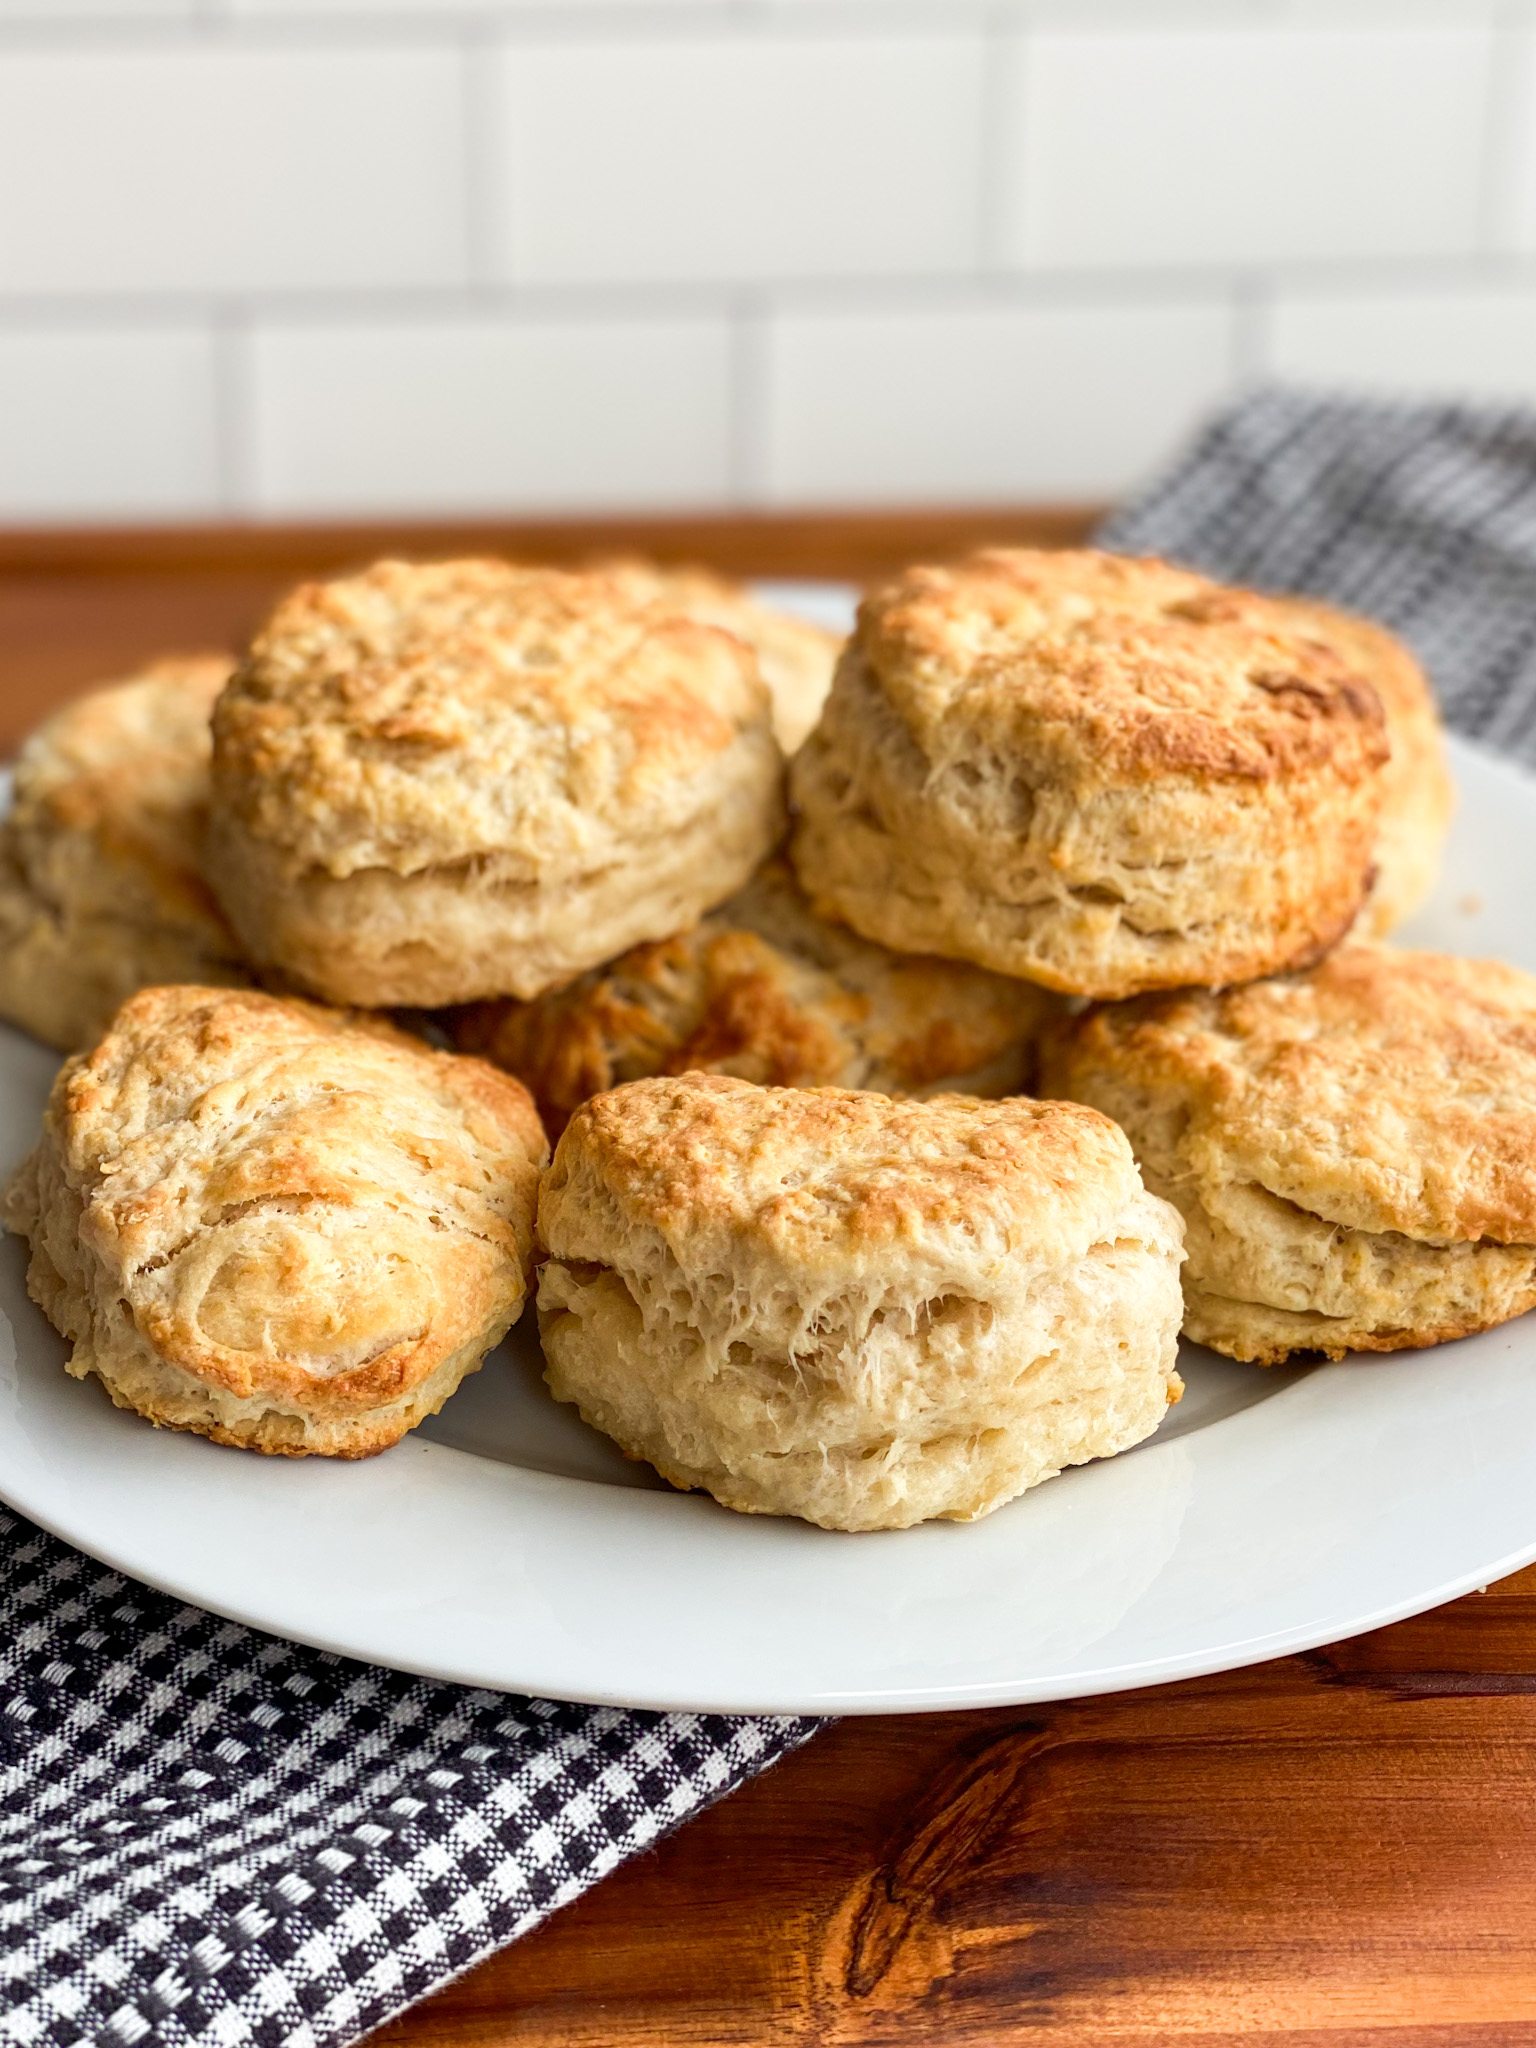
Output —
(47, 1508)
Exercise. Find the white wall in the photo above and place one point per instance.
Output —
(330, 257)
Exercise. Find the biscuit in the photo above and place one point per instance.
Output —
(796, 657)
(860, 1311)
(767, 990)
(439, 782)
(275, 1225)
(100, 889)
(1353, 1149)
(1417, 794)
(1100, 774)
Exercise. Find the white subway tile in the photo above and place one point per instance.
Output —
(988, 403)
(211, 169)
(740, 158)
(1246, 146)
(106, 424)
(1449, 342)
(1514, 193)
(84, 12)
(450, 10)
(459, 416)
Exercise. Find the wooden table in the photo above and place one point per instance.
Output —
(1331, 1849)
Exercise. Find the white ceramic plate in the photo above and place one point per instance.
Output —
(506, 1545)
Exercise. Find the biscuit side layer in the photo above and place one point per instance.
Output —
(1102, 774)
(1272, 1271)
(100, 885)
(497, 924)
(1084, 885)
(274, 1226)
(766, 990)
(859, 1311)
(889, 1412)
(1418, 796)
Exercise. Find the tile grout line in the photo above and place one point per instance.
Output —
(1128, 290)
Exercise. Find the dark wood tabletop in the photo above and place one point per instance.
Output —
(1332, 1849)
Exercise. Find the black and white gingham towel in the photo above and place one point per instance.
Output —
(209, 1838)
(1423, 516)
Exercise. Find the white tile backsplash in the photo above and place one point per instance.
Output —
(98, 11)
(114, 423)
(209, 169)
(1513, 152)
(985, 403)
(736, 159)
(1447, 341)
(438, 416)
(334, 257)
(1245, 146)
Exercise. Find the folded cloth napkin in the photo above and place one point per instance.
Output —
(1423, 516)
(208, 1836)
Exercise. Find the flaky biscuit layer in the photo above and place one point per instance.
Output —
(1417, 794)
(1100, 774)
(101, 890)
(795, 655)
(275, 1225)
(437, 782)
(1353, 1149)
(860, 1311)
(765, 989)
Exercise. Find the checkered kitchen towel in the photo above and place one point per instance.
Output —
(210, 1837)
(1423, 516)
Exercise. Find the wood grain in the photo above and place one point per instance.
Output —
(1331, 1851)
(1339, 1848)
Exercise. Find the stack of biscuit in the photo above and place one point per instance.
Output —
(1202, 810)
(1061, 826)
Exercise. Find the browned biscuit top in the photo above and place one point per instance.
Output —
(796, 655)
(826, 1179)
(1383, 1091)
(296, 1201)
(1132, 669)
(424, 713)
(123, 771)
(766, 990)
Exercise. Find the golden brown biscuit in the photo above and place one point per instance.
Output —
(1101, 774)
(767, 990)
(796, 657)
(1417, 794)
(1353, 1149)
(100, 889)
(276, 1225)
(440, 782)
(859, 1311)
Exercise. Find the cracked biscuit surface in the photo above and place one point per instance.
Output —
(278, 1226)
(101, 891)
(765, 989)
(1353, 1149)
(1101, 774)
(440, 782)
(1417, 794)
(796, 656)
(860, 1311)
